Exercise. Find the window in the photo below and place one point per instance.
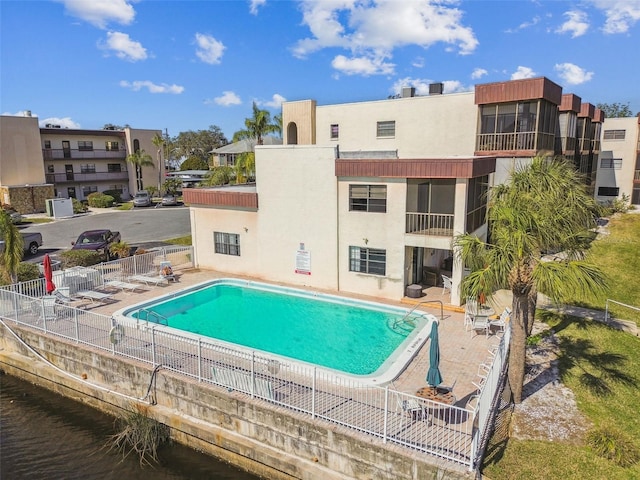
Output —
(88, 190)
(368, 198)
(367, 260)
(85, 145)
(608, 191)
(47, 144)
(386, 129)
(334, 131)
(614, 134)
(89, 168)
(227, 243)
(50, 169)
(114, 167)
(111, 146)
(476, 202)
(116, 188)
(611, 163)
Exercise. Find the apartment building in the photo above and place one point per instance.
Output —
(367, 197)
(80, 162)
(619, 164)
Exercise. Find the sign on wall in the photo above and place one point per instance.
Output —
(303, 261)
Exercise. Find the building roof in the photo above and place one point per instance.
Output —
(245, 145)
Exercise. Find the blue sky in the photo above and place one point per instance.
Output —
(187, 65)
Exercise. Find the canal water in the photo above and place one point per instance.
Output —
(44, 436)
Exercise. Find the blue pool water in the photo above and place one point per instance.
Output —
(351, 336)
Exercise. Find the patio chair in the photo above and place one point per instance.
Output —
(446, 284)
(47, 308)
(481, 323)
(118, 285)
(166, 271)
(470, 310)
(412, 408)
(501, 322)
(93, 296)
(150, 279)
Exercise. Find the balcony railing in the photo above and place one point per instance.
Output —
(439, 224)
(636, 176)
(86, 177)
(487, 142)
(69, 154)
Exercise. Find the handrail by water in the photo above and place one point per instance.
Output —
(403, 319)
(150, 313)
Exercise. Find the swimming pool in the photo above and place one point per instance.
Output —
(365, 340)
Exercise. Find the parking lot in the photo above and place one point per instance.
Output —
(142, 227)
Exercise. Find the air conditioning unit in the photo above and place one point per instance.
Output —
(436, 88)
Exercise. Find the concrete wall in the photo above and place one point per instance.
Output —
(20, 151)
(255, 435)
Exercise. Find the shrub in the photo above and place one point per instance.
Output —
(100, 200)
(78, 206)
(614, 445)
(26, 271)
(80, 258)
(116, 194)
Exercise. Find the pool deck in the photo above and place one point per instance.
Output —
(461, 352)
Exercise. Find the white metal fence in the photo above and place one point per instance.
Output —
(447, 432)
(88, 278)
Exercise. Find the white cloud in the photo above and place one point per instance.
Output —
(523, 72)
(275, 102)
(572, 74)
(362, 66)
(576, 23)
(138, 85)
(524, 25)
(124, 47)
(227, 98)
(255, 5)
(64, 122)
(209, 49)
(621, 14)
(21, 113)
(101, 12)
(372, 30)
(418, 62)
(478, 73)
(422, 85)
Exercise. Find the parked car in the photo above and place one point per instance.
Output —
(142, 199)
(96, 240)
(15, 217)
(32, 241)
(169, 199)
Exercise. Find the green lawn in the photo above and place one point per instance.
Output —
(602, 368)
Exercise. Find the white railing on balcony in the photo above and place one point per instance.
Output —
(71, 154)
(636, 175)
(440, 224)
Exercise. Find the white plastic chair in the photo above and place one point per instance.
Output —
(470, 310)
(481, 322)
(446, 284)
(501, 322)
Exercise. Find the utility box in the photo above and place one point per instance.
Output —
(59, 207)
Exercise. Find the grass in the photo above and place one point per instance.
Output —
(186, 240)
(601, 366)
(36, 220)
(125, 206)
(618, 255)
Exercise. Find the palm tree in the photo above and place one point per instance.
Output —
(245, 167)
(257, 127)
(140, 159)
(159, 142)
(120, 249)
(13, 246)
(544, 208)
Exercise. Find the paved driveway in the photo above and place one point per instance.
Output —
(142, 226)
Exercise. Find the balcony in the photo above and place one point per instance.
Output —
(492, 142)
(636, 176)
(438, 224)
(70, 154)
(72, 177)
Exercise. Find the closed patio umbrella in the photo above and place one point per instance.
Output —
(434, 378)
(48, 274)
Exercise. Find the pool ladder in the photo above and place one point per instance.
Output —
(415, 307)
(160, 319)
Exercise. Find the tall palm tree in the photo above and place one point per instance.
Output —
(256, 127)
(140, 159)
(13, 246)
(544, 208)
(159, 142)
(245, 167)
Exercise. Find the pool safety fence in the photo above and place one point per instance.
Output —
(447, 432)
(121, 270)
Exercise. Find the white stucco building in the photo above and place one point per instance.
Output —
(367, 197)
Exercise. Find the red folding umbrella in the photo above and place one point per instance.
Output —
(48, 274)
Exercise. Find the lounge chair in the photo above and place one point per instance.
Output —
(150, 280)
(93, 296)
(118, 285)
(166, 271)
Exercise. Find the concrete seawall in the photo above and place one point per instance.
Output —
(255, 435)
